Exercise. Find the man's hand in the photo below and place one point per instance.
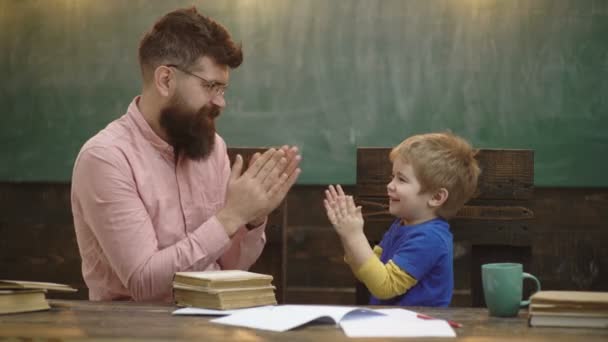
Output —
(342, 213)
(252, 195)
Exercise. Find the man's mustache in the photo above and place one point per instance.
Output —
(213, 111)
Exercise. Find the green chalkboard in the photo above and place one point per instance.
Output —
(328, 76)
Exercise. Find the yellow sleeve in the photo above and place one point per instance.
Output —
(378, 251)
(384, 281)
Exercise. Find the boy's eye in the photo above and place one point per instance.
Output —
(398, 178)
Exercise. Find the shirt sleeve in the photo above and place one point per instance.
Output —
(384, 281)
(109, 204)
(419, 253)
(245, 248)
(378, 251)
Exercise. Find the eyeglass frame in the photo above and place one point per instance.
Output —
(215, 88)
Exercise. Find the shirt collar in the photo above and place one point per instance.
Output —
(137, 118)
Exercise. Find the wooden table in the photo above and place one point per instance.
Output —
(83, 320)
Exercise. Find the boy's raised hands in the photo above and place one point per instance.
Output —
(346, 218)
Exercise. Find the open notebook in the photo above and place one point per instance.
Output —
(354, 321)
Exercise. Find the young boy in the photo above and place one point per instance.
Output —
(433, 176)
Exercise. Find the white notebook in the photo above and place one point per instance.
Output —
(355, 321)
(286, 317)
(395, 323)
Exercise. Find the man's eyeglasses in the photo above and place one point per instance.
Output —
(214, 88)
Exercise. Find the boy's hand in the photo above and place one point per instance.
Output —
(342, 212)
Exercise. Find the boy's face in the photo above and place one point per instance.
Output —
(405, 200)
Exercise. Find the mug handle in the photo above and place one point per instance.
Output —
(529, 276)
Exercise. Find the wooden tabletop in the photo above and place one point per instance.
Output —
(84, 320)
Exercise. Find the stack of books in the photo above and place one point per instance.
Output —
(569, 309)
(26, 296)
(223, 290)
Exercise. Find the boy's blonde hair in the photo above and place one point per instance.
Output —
(441, 160)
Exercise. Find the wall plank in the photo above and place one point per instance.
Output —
(567, 243)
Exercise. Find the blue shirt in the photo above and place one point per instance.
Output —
(425, 251)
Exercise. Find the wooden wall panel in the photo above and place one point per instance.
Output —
(568, 241)
(321, 295)
(38, 240)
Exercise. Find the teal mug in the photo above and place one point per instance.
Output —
(502, 288)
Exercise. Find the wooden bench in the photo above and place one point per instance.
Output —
(495, 226)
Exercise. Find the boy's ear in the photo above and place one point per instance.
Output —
(439, 198)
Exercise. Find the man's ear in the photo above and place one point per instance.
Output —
(439, 198)
(164, 80)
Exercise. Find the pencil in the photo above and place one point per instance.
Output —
(451, 323)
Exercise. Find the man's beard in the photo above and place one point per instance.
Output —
(190, 133)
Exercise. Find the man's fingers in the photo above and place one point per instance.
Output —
(270, 165)
(254, 157)
(277, 185)
(260, 161)
(287, 164)
(275, 175)
(237, 167)
(281, 187)
(293, 160)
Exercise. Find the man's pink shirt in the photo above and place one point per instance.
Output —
(140, 216)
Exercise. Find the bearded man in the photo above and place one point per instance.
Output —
(153, 193)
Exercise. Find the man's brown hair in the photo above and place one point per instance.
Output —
(182, 37)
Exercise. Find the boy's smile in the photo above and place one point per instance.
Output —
(405, 199)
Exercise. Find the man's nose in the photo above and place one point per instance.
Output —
(219, 101)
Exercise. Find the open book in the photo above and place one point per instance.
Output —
(354, 321)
